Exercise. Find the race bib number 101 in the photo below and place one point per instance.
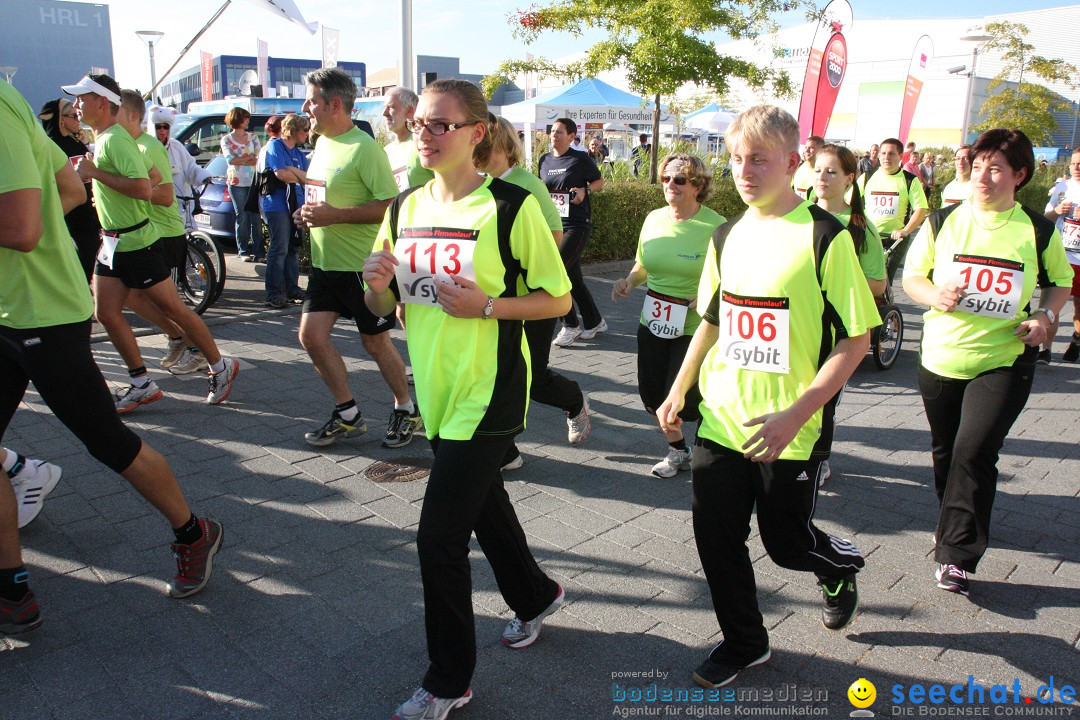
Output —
(754, 332)
(883, 205)
(428, 256)
(994, 285)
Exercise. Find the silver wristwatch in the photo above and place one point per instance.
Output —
(1050, 315)
(489, 308)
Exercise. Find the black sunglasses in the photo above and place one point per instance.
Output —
(677, 179)
(162, 126)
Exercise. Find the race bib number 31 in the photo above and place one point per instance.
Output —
(428, 256)
(994, 285)
(754, 332)
(664, 315)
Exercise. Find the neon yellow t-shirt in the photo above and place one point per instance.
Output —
(887, 198)
(347, 170)
(46, 286)
(803, 180)
(770, 310)
(955, 192)
(673, 254)
(521, 177)
(405, 164)
(872, 257)
(472, 375)
(116, 152)
(1000, 268)
(164, 218)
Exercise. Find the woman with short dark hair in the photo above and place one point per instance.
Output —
(976, 265)
(241, 151)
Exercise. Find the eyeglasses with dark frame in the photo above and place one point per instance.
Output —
(162, 126)
(677, 179)
(69, 115)
(436, 127)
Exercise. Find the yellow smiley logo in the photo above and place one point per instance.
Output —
(862, 693)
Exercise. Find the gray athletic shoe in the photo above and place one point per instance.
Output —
(173, 352)
(192, 361)
(425, 706)
(132, 397)
(520, 634)
(36, 480)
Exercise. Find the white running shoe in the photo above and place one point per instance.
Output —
(567, 336)
(579, 426)
(191, 361)
(520, 634)
(32, 484)
(132, 397)
(425, 706)
(593, 332)
(824, 473)
(516, 464)
(675, 461)
(221, 383)
(173, 352)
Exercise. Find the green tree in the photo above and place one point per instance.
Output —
(1028, 106)
(661, 44)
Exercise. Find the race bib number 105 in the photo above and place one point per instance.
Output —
(994, 285)
(754, 332)
(428, 256)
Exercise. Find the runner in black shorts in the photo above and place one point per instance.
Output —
(47, 342)
(128, 260)
(349, 185)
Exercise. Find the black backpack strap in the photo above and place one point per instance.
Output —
(719, 237)
(936, 220)
(508, 201)
(1044, 231)
(826, 228)
(910, 179)
(394, 210)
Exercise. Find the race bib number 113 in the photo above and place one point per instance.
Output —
(428, 256)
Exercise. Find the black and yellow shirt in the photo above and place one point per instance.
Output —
(888, 197)
(472, 375)
(777, 321)
(996, 257)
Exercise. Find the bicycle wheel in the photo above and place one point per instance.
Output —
(217, 257)
(889, 337)
(196, 280)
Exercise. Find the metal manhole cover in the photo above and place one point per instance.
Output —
(401, 470)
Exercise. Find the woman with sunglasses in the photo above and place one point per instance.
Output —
(61, 123)
(975, 265)
(670, 255)
(288, 166)
(471, 257)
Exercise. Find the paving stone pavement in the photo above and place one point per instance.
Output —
(315, 608)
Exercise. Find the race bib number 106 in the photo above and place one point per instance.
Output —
(754, 332)
(428, 256)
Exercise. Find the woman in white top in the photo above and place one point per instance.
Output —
(241, 150)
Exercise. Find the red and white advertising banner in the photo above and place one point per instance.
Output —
(262, 64)
(920, 61)
(836, 16)
(833, 68)
(207, 64)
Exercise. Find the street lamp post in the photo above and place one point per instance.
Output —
(971, 79)
(150, 37)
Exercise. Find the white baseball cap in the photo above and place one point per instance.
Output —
(89, 85)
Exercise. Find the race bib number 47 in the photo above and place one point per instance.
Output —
(994, 285)
(429, 256)
(754, 332)
(1070, 234)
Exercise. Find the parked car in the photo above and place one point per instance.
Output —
(216, 202)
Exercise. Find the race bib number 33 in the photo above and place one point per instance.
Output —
(428, 256)
(994, 285)
(754, 332)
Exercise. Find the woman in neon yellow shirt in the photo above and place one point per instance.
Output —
(670, 256)
(471, 257)
(976, 265)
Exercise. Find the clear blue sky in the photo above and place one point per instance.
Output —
(476, 30)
